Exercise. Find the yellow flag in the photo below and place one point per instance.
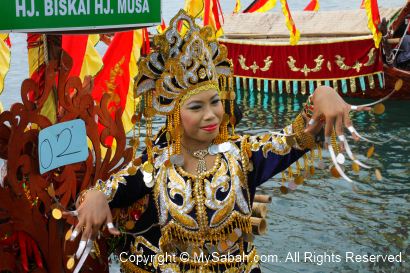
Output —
(4, 59)
(237, 6)
(195, 8)
(92, 62)
(131, 102)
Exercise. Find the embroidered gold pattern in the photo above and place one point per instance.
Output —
(305, 69)
(139, 240)
(340, 61)
(371, 57)
(254, 67)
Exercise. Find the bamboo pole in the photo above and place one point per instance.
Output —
(258, 226)
(262, 198)
(259, 210)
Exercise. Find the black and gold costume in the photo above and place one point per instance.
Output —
(204, 216)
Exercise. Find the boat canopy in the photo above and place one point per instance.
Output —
(324, 24)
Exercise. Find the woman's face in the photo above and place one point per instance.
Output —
(201, 116)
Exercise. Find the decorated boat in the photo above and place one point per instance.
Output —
(336, 48)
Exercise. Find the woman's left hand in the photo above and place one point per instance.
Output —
(333, 111)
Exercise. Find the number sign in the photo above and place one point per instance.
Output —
(62, 144)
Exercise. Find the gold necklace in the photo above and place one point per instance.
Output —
(200, 155)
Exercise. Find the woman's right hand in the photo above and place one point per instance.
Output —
(92, 214)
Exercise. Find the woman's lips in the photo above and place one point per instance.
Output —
(210, 128)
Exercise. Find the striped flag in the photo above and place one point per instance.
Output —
(4, 58)
(213, 15)
(162, 27)
(373, 20)
(260, 6)
(37, 69)
(312, 6)
(86, 59)
(146, 46)
(294, 32)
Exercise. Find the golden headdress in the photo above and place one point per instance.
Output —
(180, 66)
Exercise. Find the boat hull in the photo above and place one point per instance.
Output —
(391, 74)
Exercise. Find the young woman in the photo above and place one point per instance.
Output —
(202, 181)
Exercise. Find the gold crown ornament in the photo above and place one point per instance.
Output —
(181, 66)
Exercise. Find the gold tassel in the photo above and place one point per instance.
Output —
(232, 97)
(335, 86)
(287, 87)
(290, 172)
(319, 151)
(303, 87)
(353, 85)
(297, 168)
(258, 84)
(245, 84)
(272, 82)
(177, 131)
(283, 180)
(371, 81)
(334, 143)
(305, 162)
(149, 112)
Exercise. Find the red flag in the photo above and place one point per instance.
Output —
(75, 46)
(162, 27)
(110, 80)
(116, 77)
(86, 59)
(7, 41)
(312, 6)
(146, 47)
(362, 4)
(36, 63)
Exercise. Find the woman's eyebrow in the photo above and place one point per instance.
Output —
(200, 101)
(195, 101)
(214, 97)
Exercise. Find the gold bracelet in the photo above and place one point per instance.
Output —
(304, 140)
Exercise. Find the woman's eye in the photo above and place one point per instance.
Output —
(216, 101)
(196, 107)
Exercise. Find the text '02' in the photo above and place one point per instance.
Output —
(62, 144)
